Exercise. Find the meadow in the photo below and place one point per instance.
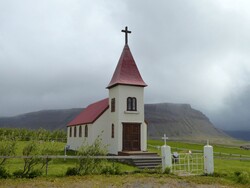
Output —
(230, 170)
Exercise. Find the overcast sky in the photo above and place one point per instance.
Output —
(62, 53)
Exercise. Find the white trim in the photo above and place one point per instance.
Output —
(131, 112)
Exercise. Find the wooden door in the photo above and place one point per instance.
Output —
(131, 137)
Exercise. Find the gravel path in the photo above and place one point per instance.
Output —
(106, 181)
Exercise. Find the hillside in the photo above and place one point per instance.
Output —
(178, 121)
(47, 119)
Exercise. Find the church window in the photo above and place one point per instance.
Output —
(80, 131)
(70, 132)
(112, 131)
(75, 131)
(131, 104)
(113, 105)
(86, 131)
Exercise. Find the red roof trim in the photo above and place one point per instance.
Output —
(90, 114)
(124, 85)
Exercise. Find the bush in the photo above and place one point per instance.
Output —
(242, 177)
(111, 169)
(31, 174)
(72, 171)
(7, 148)
(86, 163)
(3, 172)
(18, 174)
(167, 170)
(217, 174)
(35, 173)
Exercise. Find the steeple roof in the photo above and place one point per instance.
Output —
(126, 72)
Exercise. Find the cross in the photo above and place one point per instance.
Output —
(126, 31)
(165, 138)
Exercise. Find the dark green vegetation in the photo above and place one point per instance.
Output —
(31, 134)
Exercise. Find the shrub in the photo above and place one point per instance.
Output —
(31, 174)
(3, 172)
(111, 169)
(242, 177)
(86, 163)
(18, 174)
(167, 170)
(31, 149)
(72, 171)
(7, 148)
(217, 174)
(35, 173)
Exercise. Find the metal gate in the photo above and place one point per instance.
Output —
(188, 164)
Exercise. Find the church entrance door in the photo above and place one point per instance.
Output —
(131, 137)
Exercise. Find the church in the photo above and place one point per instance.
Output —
(119, 119)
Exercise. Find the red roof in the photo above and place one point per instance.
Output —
(91, 113)
(126, 72)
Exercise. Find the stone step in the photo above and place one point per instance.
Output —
(143, 163)
(137, 153)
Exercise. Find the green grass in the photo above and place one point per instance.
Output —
(184, 147)
(223, 165)
(56, 167)
(224, 168)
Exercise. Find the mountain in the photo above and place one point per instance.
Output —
(178, 121)
(47, 119)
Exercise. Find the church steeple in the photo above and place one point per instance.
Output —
(126, 72)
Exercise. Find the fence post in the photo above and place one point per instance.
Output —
(208, 159)
(166, 157)
(47, 163)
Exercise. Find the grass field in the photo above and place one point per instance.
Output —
(225, 169)
(224, 164)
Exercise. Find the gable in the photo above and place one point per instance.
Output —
(90, 114)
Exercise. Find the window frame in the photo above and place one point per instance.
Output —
(70, 131)
(131, 104)
(75, 131)
(113, 105)
(112, 131)
(80, 131)
(86, 130)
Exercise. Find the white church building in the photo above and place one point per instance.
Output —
(119, 119)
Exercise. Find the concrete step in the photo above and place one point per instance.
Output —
(137, 153)
(148, 163)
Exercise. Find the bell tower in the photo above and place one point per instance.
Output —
(126, 101)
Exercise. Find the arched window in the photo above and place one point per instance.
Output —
(75, 131)
(131, 104)
(112, 131)
(70, 132)
(86, 131)
(80, 131)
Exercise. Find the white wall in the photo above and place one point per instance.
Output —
(121, 115)
(100, 128)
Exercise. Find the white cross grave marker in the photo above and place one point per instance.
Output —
(165, 138)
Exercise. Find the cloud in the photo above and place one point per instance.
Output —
(62, 54)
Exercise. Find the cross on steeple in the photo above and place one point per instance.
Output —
(126, 31)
